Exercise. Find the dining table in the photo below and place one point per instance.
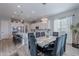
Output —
(42, 41)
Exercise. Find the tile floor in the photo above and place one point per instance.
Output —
(71, 51)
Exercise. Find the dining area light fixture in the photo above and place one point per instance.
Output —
(19, 6)
(44, 20)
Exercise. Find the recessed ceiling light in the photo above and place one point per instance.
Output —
(33, 12)
(18, 6)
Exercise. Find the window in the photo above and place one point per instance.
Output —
(56, 25)
(63, 26)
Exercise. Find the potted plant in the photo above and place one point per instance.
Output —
(75, 35)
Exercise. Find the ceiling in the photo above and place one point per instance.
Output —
(34, 11)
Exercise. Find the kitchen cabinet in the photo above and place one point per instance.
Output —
(4, 29)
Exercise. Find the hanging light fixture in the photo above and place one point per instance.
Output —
(44, 20)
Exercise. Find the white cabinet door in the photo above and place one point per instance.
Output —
(4, 28)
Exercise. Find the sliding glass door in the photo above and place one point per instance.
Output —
(63, 26)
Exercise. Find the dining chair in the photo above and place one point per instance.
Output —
(58, 46)
(62, 46)
(32, 45)
(65, 42)
(17, 39)
(54, 50)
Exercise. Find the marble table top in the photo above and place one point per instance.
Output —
(42, 41)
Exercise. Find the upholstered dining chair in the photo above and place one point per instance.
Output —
(32, 45)
(65, 42)
(63, 47)
(56, 50)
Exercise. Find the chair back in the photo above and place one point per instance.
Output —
(63, 44)
(32, 45)
(58, 44)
